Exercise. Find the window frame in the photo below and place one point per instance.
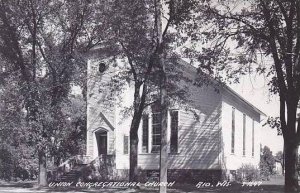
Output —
(253, 137)
(233, 130)
(156, 133)
(125, 145)
(145, 134)
(176, 137)
(244, 134)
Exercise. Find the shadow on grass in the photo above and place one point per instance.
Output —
(233, 188)
(106, 190)
(19, 184)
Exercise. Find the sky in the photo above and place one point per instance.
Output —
(255, 90)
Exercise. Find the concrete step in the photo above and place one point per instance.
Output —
(73, 175)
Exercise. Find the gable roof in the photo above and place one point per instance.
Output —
(190, 69)
(241, 99)
(221, 86)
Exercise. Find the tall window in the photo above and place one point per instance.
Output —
(156, 128)
(145, 134)
(244, 134)
(232, 129)
(252, 137)
(126, 144)
(156, 131)
(174, 132)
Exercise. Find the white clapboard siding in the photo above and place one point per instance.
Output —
(233, 161)
(198, 134)
(204, 130)
(100, 112)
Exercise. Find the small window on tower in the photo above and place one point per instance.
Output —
(102, 67)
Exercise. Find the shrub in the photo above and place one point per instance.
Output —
(247, 173)
(267, 163)
(15, 166)
(6, 164)
(88, 173)
(96, 172)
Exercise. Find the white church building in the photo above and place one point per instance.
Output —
(218, 133)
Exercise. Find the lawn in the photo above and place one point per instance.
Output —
(275, 185)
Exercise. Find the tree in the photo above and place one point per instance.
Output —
(16, 155)
(255, 30)
(14, 137)
(267, 162)
(134, 32)
(280, 157)
(73, 136)
(38, 43)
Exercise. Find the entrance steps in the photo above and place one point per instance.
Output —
(82, 168)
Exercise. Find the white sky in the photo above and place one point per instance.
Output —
(255, 90)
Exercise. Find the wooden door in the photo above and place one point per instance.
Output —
(101, 137)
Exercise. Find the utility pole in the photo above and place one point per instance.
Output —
(163, 166)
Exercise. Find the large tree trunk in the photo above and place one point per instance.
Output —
(57, 160)
(139, 102)
(291, 145)
(133, 169)
(134, 140)
(290, 159)
(283, 160)
(42, 169)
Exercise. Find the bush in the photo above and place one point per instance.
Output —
(247, 173)
(88, 173)
(21, 173)
(12, 167)
(95, 172)
(6, 165)
(267, 163)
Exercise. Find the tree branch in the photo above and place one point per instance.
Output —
(298, 131)
(282, 116)
(289, 49)
(272, 42)
(130, 61)
(239, 19)
(296, 61)
(150, 103)
(167, 27)
(17, 58)
(297, 47)
(44, 57)
(283, 11)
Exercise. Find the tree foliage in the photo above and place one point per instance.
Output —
(280, 157)
(265, 38)
(132, 36)
(39, 45)
(267, 163)
(16, 159)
